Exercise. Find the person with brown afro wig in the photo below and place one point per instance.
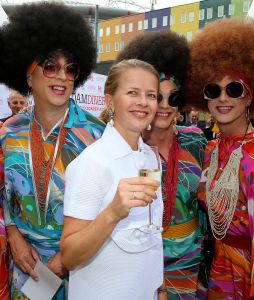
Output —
(48, 50)
(221, 81)
(181, 151)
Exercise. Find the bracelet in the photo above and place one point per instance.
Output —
(162, 290)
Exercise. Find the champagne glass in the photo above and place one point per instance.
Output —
(149, 166)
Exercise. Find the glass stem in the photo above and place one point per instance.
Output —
(150, 214)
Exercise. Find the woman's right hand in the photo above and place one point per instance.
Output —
(133, 192)
(24, 255)
(80, 240)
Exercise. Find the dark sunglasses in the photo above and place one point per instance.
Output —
(174, 99)
(51, 68)
(234, 89)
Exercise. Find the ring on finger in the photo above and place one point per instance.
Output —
(134, 196)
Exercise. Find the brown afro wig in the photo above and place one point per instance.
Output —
(36, 31)
(165, 50)
(220, 48)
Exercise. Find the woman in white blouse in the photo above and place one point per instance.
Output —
(106, 202)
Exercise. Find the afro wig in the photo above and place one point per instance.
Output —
(165, 50)
(37, 30)
(223, 47)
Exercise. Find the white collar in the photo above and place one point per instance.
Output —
(121, 148)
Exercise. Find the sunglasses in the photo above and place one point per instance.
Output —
(174, 99)
(51, 68)
(234, 89)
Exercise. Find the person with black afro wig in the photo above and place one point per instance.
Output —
(37, 32)
(220, 80)
(48, 51)
(181, 151)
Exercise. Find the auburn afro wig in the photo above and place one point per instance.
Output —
(34, 32)
(222, 47)
(165, 50)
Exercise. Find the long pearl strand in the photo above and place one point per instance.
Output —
(223, 195)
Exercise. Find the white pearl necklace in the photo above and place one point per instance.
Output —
(222, 197)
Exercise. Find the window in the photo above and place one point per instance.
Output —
(107, 47)
(145, 24)
(191, 16)
(154, 22)
(220, 11)
(116, 46)
(101, 32)
(189, 35)
(183, 18)
(201, 14)
(130, 28)
(209, 13)
(246, 6)
(101, 48)
(140, 25)
(172, 20)
(121, 45)
(108, 31)
(231, 9)
(117, 29)
(123, 28)
(165, 21)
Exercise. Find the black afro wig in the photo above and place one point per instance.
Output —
(35, 31)
(165, 50)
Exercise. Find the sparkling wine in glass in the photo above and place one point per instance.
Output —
(149, 166)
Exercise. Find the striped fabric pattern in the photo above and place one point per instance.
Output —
(232, 267)
(183, 255)
(16, 177)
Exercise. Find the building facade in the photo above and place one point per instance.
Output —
(186, 20)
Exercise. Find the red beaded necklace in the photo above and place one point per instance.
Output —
(171, 179)
(224, 154)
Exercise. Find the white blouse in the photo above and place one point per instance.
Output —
(129, 266)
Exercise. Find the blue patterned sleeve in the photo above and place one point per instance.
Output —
(3, 185)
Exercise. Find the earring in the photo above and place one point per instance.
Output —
(30, 100)
(149, 127)
(248, 114)
(111, 117)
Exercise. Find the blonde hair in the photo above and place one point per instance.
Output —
(116, 71)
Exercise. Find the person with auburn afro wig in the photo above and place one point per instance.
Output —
(181, 150)
(48, 50)
(221, 81)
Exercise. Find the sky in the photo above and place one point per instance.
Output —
(145, 3)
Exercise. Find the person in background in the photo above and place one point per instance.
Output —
(181, 150)
(16, 103)
(103, 241)
(210, 128)
(49, 51)
(194, 120)
(225, 89)
(179, 119)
